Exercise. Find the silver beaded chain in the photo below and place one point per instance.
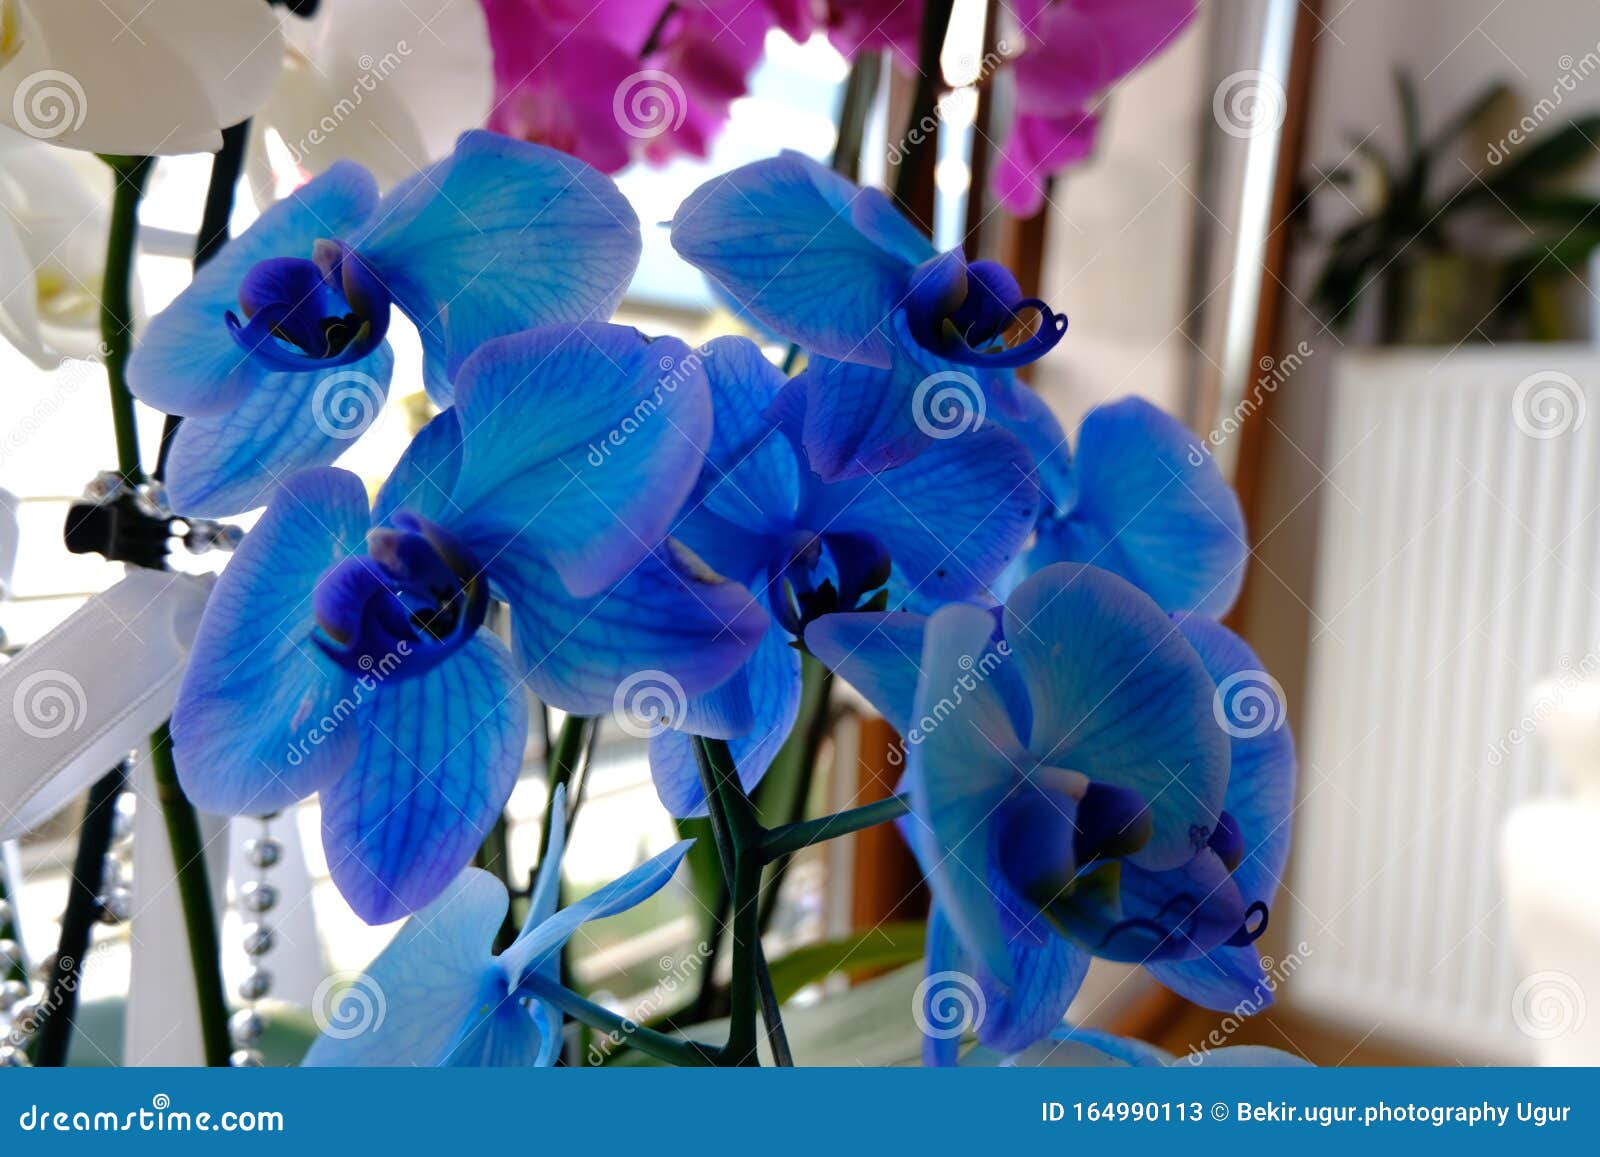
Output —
(258, 897)
(19, 999)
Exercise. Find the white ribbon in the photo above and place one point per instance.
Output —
(78, 700)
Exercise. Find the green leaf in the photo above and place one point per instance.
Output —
(886, 946)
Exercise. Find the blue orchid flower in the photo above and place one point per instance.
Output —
(1070, 790)
(345, 652)
(890, 322)
(276, 353)
(1143, 499)
(448, 999)
(937, 530)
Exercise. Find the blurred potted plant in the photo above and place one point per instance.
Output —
(1492, 256)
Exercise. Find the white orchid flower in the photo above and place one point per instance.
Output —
(135, 77)
(389, 85)
(54, 210)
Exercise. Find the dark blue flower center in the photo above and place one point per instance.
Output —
(818, 574)
(412, 600)
(306, 314)
(976, 315)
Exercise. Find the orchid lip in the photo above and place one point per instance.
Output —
(302, 314)
(412, 600)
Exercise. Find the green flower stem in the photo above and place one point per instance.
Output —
(116, 306)
(816, 692)
(738, 834)
(672, 1050)
(792, 837)
(565, 757)
(194, 889)
(59, 1004)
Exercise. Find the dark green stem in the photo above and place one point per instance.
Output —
(738, 834)
(673, 1051)
(59, 1005)
(913, 185)
(792, 837)
(860, 90)
(564, 761)
(116, 306)
(816, 692)
(194, 892)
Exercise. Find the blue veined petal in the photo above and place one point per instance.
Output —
(225, 464)
(1030, 418)
(1120, 696)
(1179, 914)
(535, 947)
(499, 237)
(765, 691)
(437, 763)
(1153, 508)
(666, 624)
(547, 886)
(610, 433)
(785, 237)
(957, 775)
(429, 979)
(879, 654)
(500, 1033)
(1227, 979)
(186, 361)
(861, 419)
(751, 477)
(423, 478)
(950, 986)
(951, 519)
(263, 718)
(1260, 794)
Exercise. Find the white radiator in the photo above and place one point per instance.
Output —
(1458, 564)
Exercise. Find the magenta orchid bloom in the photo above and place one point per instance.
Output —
(1075, 50)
